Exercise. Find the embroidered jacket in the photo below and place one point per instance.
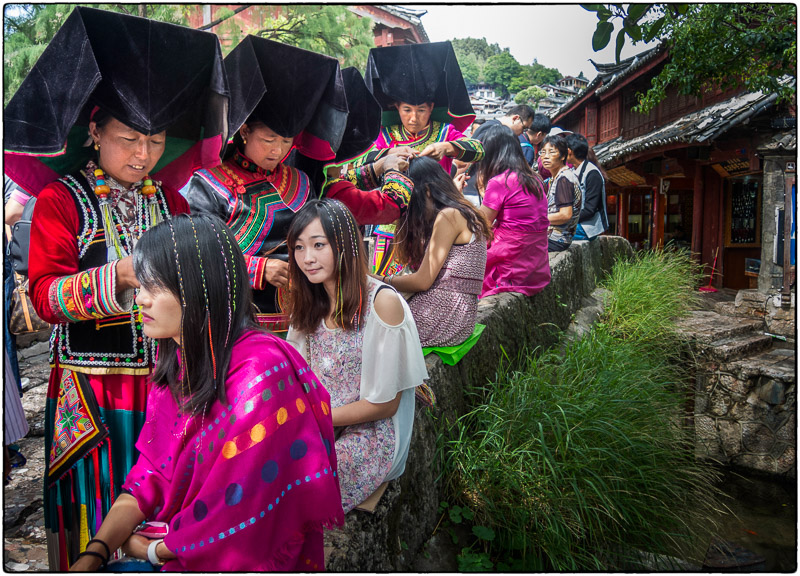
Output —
(73, 285)
(258, 206)
(469, 150)
(372, 200)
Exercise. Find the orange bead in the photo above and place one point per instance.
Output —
(148, 190)
(102, 190)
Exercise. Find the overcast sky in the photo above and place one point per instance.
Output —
(559, 36)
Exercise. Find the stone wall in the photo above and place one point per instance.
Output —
(392, 538)
(770, 278)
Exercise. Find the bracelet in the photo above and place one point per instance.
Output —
(104, 561)
(108, 550)
(152, 556)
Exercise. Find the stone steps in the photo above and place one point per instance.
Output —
(707, 327)
(774, 364)
(737, 346)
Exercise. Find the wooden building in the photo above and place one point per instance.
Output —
(691, 170)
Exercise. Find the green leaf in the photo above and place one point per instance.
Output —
(653, 30)
(620, 42)
(636, 11)
(634, 31)
(483, 533)
(602, 35)
(467, 514)
(455, 514)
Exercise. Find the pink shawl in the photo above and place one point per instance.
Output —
(251, 484)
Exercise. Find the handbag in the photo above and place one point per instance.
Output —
(23, 318)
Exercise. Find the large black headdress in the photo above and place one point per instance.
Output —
(417, 74)
(363, 127)
(149, 75)
(297, 93)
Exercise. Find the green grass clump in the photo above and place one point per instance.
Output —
(578, 460)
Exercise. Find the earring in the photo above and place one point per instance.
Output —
(244, 140)
(96, 146)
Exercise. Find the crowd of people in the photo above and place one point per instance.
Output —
(232, 370)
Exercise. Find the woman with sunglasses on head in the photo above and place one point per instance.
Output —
(360, 339)
(564, 194)
(514, 199)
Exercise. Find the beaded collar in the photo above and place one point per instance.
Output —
(406, 135)
(245, 163)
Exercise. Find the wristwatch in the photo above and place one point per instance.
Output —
(151, 553)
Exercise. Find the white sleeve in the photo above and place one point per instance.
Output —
(299, 340)
(392, 359)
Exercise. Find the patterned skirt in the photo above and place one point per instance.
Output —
(78, 497)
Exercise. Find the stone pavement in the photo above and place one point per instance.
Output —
(23, 519)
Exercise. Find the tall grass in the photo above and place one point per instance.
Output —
(578, 459)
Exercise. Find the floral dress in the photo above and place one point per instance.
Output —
(347, 363)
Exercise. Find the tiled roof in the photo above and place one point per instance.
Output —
(697, 127)
(781, 142)
(610, 74)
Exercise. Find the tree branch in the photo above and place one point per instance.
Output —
(221, 20)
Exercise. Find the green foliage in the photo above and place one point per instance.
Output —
(327, 29)
(530, 95)
(477, 46)
(534, 75)
(28, 28)
(578, 460)
(500, 70)
(471, 69)
(711, 45)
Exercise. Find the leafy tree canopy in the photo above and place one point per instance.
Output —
(534, 75)
(500, 71)
(530, 96)
(477, 46)
(711, 45)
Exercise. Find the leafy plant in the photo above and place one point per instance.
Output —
(576, 459)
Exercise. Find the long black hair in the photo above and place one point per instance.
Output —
(416, 228)
(503, 153)
(197, 259)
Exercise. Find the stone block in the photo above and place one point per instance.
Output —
(757, 438)
(730, 436)
(734, 386)
(700, 403)
(719, 405)
(770, 391)
(760, 462)
(787, 432)
(706, 438)
(787, 462)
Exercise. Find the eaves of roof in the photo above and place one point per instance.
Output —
(698, 127)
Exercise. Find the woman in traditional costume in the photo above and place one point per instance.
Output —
(360, 339)
(443, 239)
(514, 199)
(237, 455)
(376, 193)
(426, 108)
(281, 97)
(141, 112)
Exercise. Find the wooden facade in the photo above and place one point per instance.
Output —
(703, 194)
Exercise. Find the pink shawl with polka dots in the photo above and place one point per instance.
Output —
(250, 485)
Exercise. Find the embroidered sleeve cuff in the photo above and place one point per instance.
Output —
(398, 187)
(88, 295)
(468, 150)
(363, 177)
(255, 269)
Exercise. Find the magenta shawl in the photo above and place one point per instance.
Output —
(251, 484)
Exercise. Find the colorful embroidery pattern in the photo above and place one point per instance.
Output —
(77, 429)
(86, 295)
(468, 150)
(398, 187)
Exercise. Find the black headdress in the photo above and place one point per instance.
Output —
(297, 93)
(416, 74)
(149, 75)
(363, 127)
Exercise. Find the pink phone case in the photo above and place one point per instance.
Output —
(153, 530)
